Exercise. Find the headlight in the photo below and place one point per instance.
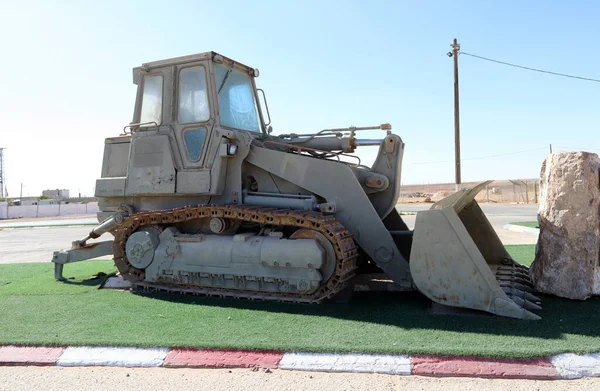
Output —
(231, 149)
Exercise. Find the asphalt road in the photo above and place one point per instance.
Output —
(498, 214)
(22, 245)
(43, 222)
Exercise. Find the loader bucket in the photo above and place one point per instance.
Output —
(457, 259)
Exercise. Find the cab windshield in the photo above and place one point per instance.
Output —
(237, 106)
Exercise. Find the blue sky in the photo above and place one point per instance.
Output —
(67, 77)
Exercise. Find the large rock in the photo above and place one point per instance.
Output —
(567, 262)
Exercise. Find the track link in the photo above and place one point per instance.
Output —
(343, 243)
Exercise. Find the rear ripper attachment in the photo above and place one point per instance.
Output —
(458, 260)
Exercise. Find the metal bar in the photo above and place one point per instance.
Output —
(365, 142)
(306, 204)
(301, 149)
(81, 254)
(378, 127)
(330, 143)
(280, 195)
(339, 130)
(266, 105)
(138, 125)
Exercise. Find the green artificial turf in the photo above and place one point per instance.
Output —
(35, 309)
(522, 253)
(530, 224)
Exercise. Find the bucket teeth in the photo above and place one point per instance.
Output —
(519, 280)
(532, 306)
(526, 304)
(532, 298)
(520, 268)
(515, 267)
(514, 273)
(510, 291)
(517, 276)
(531, 316)
(516, 283)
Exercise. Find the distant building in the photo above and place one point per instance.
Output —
(57, 193)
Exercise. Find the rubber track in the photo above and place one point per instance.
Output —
(343, 243)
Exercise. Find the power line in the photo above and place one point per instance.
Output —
(485, 157)
(577, 149)
(530, 69)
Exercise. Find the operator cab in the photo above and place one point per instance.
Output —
(204, 89)
(190, 116)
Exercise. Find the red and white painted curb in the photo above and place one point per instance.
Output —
(562, 366)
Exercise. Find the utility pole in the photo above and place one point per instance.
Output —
(454, 53)
(2, 179)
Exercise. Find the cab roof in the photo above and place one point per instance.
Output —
(214, 56)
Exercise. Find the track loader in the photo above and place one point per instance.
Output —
(201, 198)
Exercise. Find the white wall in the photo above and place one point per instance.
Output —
(13, 212)
(3, 209)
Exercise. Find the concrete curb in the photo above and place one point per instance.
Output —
(522, 229)
(562, 366)
(324, 362)
(112, 357)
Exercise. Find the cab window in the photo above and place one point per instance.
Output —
(152, 100)
(193, 98)
(194, 140)
(237, 106)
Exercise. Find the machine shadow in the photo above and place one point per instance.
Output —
(96, 280)
(412, 310)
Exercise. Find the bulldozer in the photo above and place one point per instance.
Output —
(201, 197)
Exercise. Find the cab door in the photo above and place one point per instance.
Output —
(194, 119)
